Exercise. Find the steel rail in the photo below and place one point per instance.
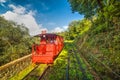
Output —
(68, 66)
(41, 76)
(77, 75)
(80, 67)
(31, 71)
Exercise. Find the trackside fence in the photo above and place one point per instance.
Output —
(14, 67)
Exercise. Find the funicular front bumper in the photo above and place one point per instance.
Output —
(43, 58)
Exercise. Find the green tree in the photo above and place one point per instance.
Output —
(90, 8)
(77, 28)
(15, 41)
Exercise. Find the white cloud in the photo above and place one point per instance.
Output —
(21, 16)
(65, 27)
(18, 9)
(2, 2)
(59, 29)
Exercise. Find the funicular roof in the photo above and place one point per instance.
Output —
(50, 35)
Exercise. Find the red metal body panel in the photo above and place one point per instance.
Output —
(50, 46)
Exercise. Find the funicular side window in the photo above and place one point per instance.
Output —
(43, 39)
(50, 40)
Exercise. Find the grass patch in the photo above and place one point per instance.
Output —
(23, 73)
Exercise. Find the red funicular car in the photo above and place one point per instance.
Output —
(48, 49)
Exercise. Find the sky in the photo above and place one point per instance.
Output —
(37, 15)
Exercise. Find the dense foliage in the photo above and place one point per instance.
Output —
(100, 45)
(14, 41)
(76, 28)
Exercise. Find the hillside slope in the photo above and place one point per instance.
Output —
(102, 50)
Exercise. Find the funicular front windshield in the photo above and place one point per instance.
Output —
(48, 38)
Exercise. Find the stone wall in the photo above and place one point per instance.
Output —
(10, 69)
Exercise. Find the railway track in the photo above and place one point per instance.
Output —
(68, 66)
(75, 64)
(37, 73)
(28, 75)
(88, 68)
(42, 75)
